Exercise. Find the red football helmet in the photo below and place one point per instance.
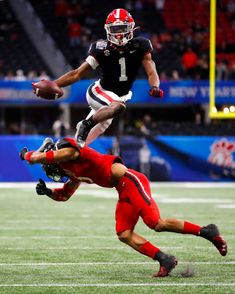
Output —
(119, 27)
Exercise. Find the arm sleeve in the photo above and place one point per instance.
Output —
(64, 193)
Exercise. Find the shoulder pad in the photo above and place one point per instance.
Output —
(142, 43)
(101, 44)
(97, 47)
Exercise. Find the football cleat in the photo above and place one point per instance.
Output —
(82, 133)
(167, 264)
(211, 233)
(47, 144)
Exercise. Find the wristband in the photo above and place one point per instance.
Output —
(28, 155)
(50, 156)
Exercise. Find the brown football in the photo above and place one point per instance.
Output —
(47, 90)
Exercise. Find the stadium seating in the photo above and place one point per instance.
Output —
(92, 21)
(16, 52)
(186, 13)
(58, 27)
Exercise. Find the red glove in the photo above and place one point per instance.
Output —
(156, 92)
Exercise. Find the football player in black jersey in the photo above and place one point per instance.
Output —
(119, 58)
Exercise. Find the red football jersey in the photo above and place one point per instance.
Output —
(91, 166)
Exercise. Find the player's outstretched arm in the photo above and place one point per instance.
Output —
(42, 189)
(74, 75)
(62, 155)
(153, 77)
(58, 194)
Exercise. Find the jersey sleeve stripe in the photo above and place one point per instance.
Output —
(92, 61)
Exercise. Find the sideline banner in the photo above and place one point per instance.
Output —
(180, 92)
(214, 160)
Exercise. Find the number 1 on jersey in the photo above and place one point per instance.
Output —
(123, 77)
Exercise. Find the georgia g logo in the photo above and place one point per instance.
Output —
(222, 153)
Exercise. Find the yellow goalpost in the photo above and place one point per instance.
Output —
(213, 113)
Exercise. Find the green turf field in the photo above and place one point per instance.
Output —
(71, 247)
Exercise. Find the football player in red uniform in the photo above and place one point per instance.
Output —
(66, 159)
(119, 57)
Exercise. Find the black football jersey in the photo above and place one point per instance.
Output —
(119, 65)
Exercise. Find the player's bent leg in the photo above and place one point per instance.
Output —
(103, 114)
(138, 189)
(110, 111)
(177, 226)
(98, 130)
(126, 219)
(140, 244)
(132, 239)
(209, 232)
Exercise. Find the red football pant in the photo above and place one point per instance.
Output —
(135, 201)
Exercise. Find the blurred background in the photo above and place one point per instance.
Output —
(171, 139)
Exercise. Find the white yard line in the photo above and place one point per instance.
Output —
(81, 248)
(196, 185)
(174, 236)
(123, 285)
(226, 206)
(111, 263)
(194, 200)
(99, 248)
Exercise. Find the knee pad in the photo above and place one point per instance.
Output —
(151, 222)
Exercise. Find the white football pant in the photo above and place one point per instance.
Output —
(97, 98)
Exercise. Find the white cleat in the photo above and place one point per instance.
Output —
(81, 134)
(47, 142)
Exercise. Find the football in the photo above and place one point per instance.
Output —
(48, 90)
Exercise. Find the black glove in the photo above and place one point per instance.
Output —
(156, 92)
(42, 189)
(23, 152)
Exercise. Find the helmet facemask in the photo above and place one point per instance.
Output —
(55, 173)
(119, 33)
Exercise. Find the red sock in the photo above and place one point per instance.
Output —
(190, 228)
(148, 249)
